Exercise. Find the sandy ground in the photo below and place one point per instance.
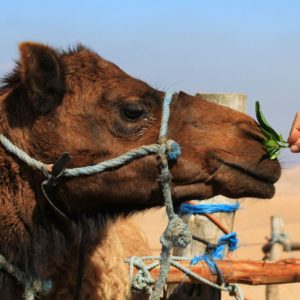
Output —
(252, 224)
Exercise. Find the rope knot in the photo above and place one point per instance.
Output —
(142, 281)
(173, 150)
(216, 252)
(177, 234)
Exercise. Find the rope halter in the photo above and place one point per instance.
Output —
(177, 233)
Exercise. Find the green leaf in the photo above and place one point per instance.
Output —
(264, 123)
(282, 140)
(273, 142)
(266, 133)
(275, 155)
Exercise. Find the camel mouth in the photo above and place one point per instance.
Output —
(252, 182)
(232, 180)
(268, 178)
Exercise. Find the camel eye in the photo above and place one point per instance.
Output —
(133, 112)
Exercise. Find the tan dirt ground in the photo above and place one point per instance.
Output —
(252, 224)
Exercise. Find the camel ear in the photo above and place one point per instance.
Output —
(42, 75)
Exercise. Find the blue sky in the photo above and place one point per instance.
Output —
(250, 47)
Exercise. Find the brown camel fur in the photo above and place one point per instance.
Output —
(77, 102)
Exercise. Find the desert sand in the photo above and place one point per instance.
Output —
(252, 224)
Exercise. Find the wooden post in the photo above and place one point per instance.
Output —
(236, 271)
(201, 226)
(272, 291)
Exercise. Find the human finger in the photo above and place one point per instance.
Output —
(294, 134)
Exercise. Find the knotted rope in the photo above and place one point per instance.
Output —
(138, 280)
(141, 280)
(177, 233)
(216, 252)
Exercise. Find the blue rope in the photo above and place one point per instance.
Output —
(217, 253)
(214, 252)
(207, 208)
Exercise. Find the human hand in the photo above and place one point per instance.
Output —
(294, 136)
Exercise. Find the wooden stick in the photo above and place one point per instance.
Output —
(240, 271)
(272, 291)
(217, 223)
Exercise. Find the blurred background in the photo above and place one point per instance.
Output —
(250, 47)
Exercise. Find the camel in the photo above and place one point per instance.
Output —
(75, 101)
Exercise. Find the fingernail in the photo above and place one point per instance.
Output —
(295, 148)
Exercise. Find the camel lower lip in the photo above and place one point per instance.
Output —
(255, 185)
(268, 179)
(195, 192)
(245, 184)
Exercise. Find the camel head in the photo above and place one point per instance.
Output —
(77, 102)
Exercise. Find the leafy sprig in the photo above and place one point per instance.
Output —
(273, 142)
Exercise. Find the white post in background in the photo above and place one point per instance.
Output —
(272, 291)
